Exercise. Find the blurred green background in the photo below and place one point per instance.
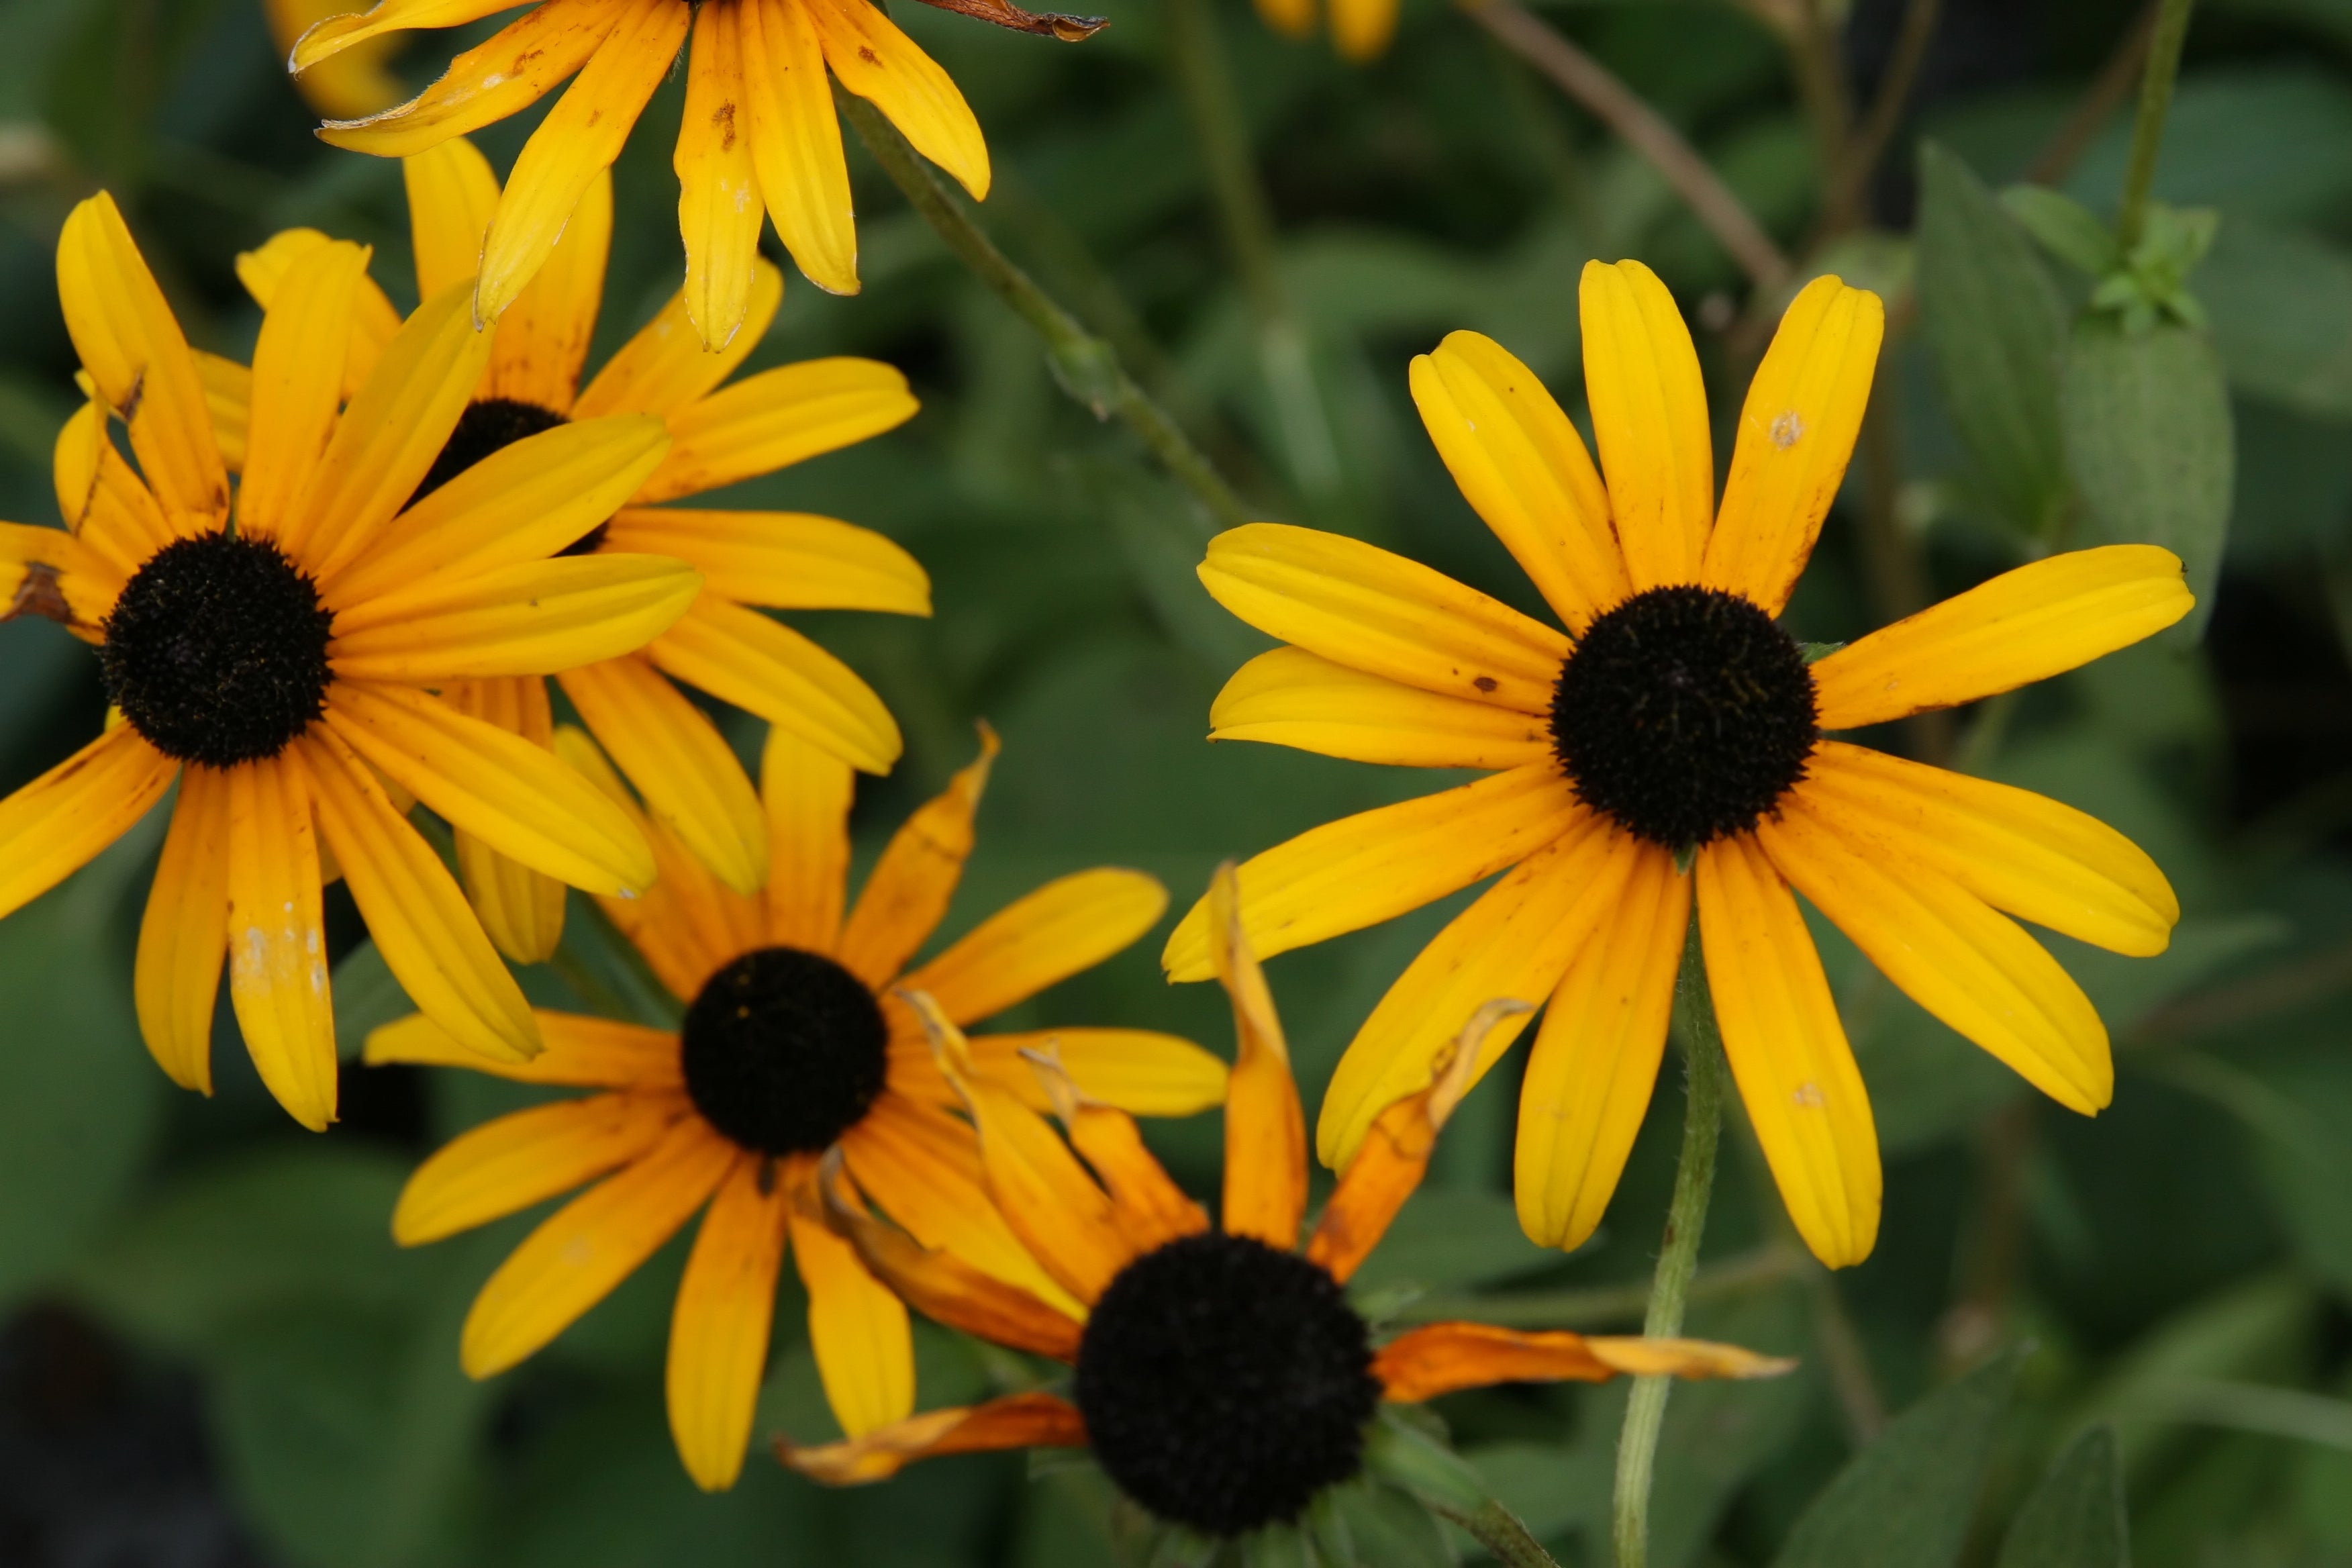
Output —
(213, 1354)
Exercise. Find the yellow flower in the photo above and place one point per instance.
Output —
(792, 1047)
(355, 82)
(1219, 1377)
(277, 659)
(758, 127)
(1675, 719)
(1360, 29)
(674, 755)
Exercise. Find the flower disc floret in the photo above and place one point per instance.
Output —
(783, 1051)
(216, 651)
(1684, 713)
(1225, 1383)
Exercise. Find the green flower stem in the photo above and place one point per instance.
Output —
(1705, 1072)
(2147, 131)
(1498, 1529)
(1086, 366)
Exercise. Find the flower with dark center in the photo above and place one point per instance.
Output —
(1684, 713)
(216, 651)
(783, 1050)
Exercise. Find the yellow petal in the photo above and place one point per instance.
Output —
(2024, 625)
(337, 33)
(881, 64)
(1151, 1209)
(719, 208)
(795, 141)
(1266, 1131)
(578, 1253)
(587, 1053)
(532, 619)
(543, 337)
(786, 559)
(413, 908)
(504, 75)
(718, 1330)
(356, 83)
(522, 910)
(183, 936)
(1137, 1070)
(1649, 418)
(136, 355)
(908, 890)
(453, 194)
(1524, 468)
(1786, 1049)
(666, 367)
(371, 324)
(102, 499)
(572, 148)
(806, 794)
(680, 763)
(766, 667)
(1292, 18)
(1070, 924)
(1289, 697)
(49, 573)
(2021, 853)
(1796, 432)
(278, 939)
(1975, 969)
(776, 418)
(298, 382)
(1514, 943)
(500, 788)
(52, 827)
(1016, 1421)
(1374, 866)
(228, 397)
(506, 1165)
(1360, 606)
(1361, 29)
(1595, 1059)
(1440, 1358)
(857, 1329)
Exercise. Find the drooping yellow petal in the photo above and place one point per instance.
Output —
(1360, 606)
(718, 1330)
(504, 75)
(506, 1165)
(881, 64)
(666, 367)
(583, 1052)
(1151, 1209)
(1595, 1059)
(49, 573)
(1070, 924)
(1266, 1131)
(786, 559)
(1515, 941)
(1288, 696)
(2021, 853)
(858, 1330)
(1649, 418)
(566, 157)
(1788, 1052)
(373, 322)
(776, 418)
(453, 194)
(277, 939)
(413, 908)
(183, 936)
(52, 827)
(1796, 432)
(138, 358)
(806, 793)
(338, 33)
(2024, 625)
(719, 209)
(500, 788)
(1137, 1070)
(535, 618)
(357, 82)
(1956, 956)
(1361, 29)
(796, 141)
(578, 1253)
(1378, 864)
(298, 383)
(679, 763)
(766, 667)
(1015, 1421)
(1440, 1358)
(1524, 468)
(908, 891)
(543, 337)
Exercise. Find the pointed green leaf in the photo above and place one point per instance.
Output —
(2076, 1517)
(2066, 228)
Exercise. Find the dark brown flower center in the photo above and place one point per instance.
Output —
(783, 1051)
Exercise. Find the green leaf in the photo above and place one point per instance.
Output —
(2066, 228)
(1905, 1500)
(2281, 301)
(1998, 331)
(2074, 1519)
(2150, 446)
(1453, 1237)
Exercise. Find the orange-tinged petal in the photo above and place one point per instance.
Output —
(1361, 29)
(583, 1052)
(806, 793)
(1016, 1421)
(183, 936)
(453, 194)
(680, 763)
(52, 573)
(908, 891)
(1266, 1131)
(298, 384)
(1649, 419)
(1288, 696)
(521, 909)
(764, 666)
(881, 64)
(2024, 625)
(785, 559)
(278, 939)
(777, 418)
(857, 1328)
(1524, 468)
(543, 337)
(581, 1251)
(52, 827)
(357, 83)
(1440, 1358)
(506, 1164)
(1070, 924)
(1151, 1209)
(1788, 1052)
(504, 75)
(719, 208)
(666, 367)
(796, 141)
(718, 1330)
(1292, 18)
(1796, 432)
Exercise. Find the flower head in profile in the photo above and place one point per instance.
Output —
(720, 433)
(759, 137)
(1362, 30)
(276, 651)
(1220, 1374)
(1666, 745)
(791, 1049)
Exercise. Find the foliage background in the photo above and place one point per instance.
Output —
(215, 1356)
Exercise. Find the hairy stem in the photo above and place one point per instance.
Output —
(1498, 1529)
(2147, 131)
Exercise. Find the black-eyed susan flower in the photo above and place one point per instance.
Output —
(791, 1048)
(759, 131)
(1669, 744)
(1360, 29)
(1220, 1375)
(720, 434)
(276, 655)
(355, 83)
